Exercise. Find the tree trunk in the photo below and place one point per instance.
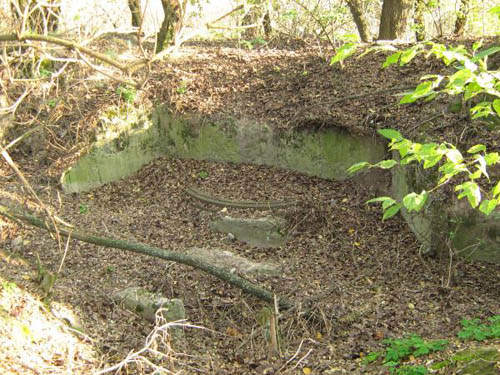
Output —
(135, 9)
(360, 19)
(394, 19)
(175, 11)
(461, 21)
(419, 20)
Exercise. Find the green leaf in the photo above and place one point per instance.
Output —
(379, 199)
(408, 55)
(422, 90)
(477, 45)
(431, 161)
(488, 205)
(492, 158)
(391, 211)
(496, 190)
(470, 190)
(486, 52)
(482, 165)
(414, 201)
(390, 134)
(476, 148)
(358, 166)
(387, 203)
(386, 164)
(472, 90)
(392, 59)
(344, 52)
(454, 156)
(496, 106)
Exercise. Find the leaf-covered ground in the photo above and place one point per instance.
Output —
(363, 279)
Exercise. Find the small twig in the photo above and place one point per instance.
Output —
(292, 357)
(426, 120)
(14, 106)
(300, 360)
(109, 75)
(384, 91)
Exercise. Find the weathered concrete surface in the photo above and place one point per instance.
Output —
(325, 153)
(127, 141)
(474, 236)
(263, 232)
(234, 263)
(483, 360)
(130, 140)
(146, 304)
(477, 236)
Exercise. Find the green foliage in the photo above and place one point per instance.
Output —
(410, 370)
(203, 175)
(471, 78)
(344, 52)
(9, 287)
(452, 164)
(182, 88)
(399, 350)
(83, 208)
(127, 93)
(474, 329)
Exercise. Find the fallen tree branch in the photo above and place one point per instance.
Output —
(221, 202)
(125, 68)
(141, 248)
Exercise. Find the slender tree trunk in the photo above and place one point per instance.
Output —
(360, 19)
(135, 9)
(175, 11)
(461, 21)
(394, 19)
(418, 19)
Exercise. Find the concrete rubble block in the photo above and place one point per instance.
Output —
(234, 263)
(146, 304)
(262, 232)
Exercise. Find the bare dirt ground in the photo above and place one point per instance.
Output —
(364, 279)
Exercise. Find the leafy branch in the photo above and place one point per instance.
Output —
(452, 164)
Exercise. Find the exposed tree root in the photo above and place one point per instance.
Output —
(221, 202)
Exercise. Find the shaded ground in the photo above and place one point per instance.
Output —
(364, 278)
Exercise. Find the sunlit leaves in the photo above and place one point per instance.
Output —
(421, 91)
(386, 164)
(389, 206)
(496, 106)
(390, 134)
(454, 156)
(414, 201)
(344, 52)
(470, 190)
(492, 158)
(392, 59)
(357, 167)
(476, 148)
(488, 205)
